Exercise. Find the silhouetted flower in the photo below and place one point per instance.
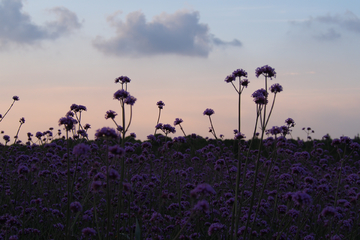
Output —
(68, 122)
(239, 73)
(16, 98)
(110, 114)
(266, 70)
(177, 121)
(276, 88)
(160, 104)
(122, 79)
(130, 100)
(244, 82)
(121, 94)
(208, 112)
(229, 78)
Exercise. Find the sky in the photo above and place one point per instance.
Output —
(56, 53)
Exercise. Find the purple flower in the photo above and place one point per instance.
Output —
(130, 100)
(133, 135)
(266, 70)
(122, 79)
(22, 169)
(160, 104)
(88, 232)
(82, 108)
(336, 142)
(121, 94)
(328, 211)
(16, 98)
(260, 96)
(68, 122)
(110, 114)
(22, 120)
(302, 199)
(208, 112)
(229, 78)
(167, 128)
(244, 82)
(177, 121)
(159, 126)
(276, 88)
(239, 136)
(215, 227)
(239, 73)
(75, 207)
(117, 150)
(96, 185)
(113, 174)
(202, 206)
(106, 132)
(290, 122)
(203, 188)
(6, 138)
(81, 149)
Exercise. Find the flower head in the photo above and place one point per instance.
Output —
(276, 88)
(16, 98)
(167, 128)
(244, 82)
(88, 231)
(121, 94)
(266, 70)
(260, 96)
(68, 122)
(160, 104)
(208, 112)
(177, 121)
(239, 73)
(22, 120)
(81, 149)
(110, 114)
(229, 78)
(106, 132)
(130, 100)
(75, 207)
(122, 79)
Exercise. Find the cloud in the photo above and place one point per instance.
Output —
(332, 24)
(17, 28)
(179, 33)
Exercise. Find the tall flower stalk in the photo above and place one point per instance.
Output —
(22, 121)
(261, 99)
(243, 83)
(124, 97)
(209, 112)
(15, 98)
(160, 105)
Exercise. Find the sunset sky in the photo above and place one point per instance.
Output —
(55, 53)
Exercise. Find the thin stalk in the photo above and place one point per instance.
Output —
(7, 111)
(158, 120)
(212, 127)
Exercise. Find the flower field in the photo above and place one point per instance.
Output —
(270, 186)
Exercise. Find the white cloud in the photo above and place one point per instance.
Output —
(17, 28)
(328, 27)
(179, 33)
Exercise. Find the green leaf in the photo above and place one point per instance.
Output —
(137, 231)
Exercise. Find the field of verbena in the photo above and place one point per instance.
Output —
(179, 188)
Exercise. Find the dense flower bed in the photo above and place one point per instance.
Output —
(117, 187)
